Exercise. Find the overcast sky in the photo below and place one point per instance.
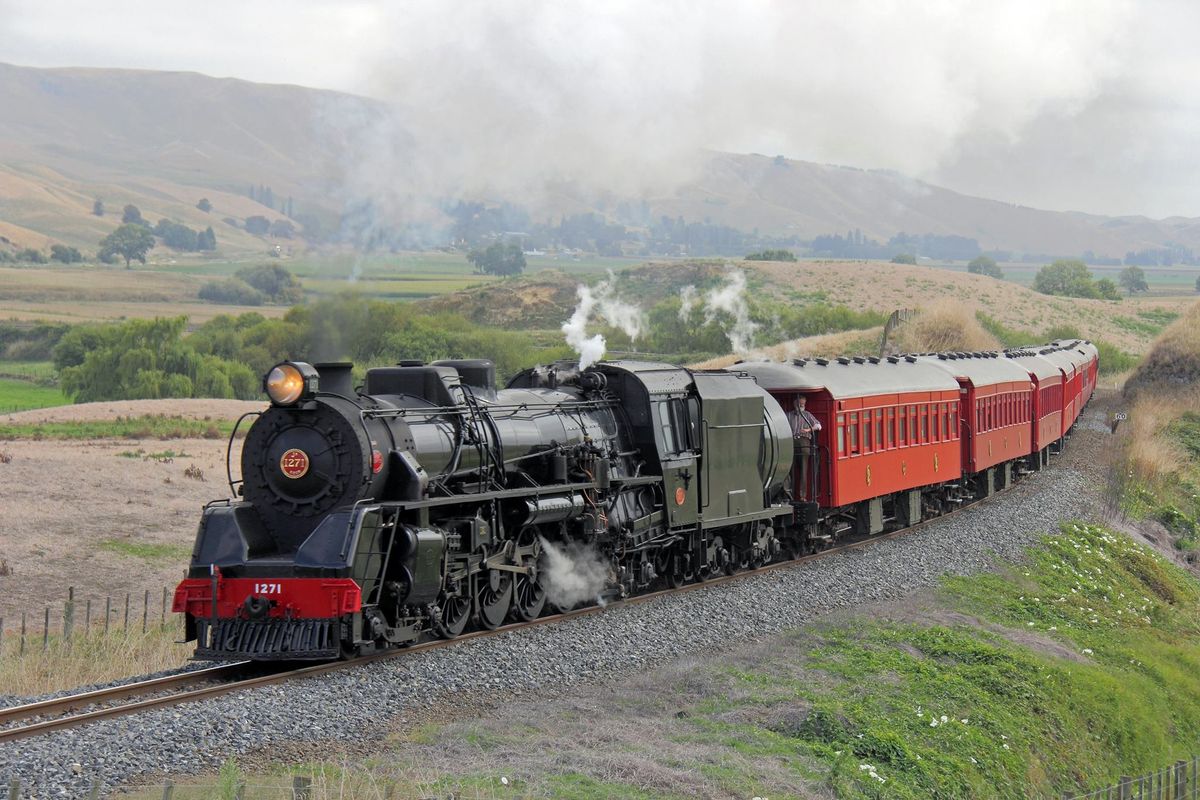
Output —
(1089, 105)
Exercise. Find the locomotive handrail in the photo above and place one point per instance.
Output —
(229, 451)
(492, 409)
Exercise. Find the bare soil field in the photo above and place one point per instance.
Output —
(106, 517)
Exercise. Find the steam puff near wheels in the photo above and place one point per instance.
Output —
(573, 574)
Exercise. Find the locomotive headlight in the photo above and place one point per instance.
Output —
(289, 382)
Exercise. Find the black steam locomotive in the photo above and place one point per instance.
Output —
(427, 501)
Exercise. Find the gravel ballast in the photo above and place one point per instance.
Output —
(357, 703)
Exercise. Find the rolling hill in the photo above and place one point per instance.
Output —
(162, 140)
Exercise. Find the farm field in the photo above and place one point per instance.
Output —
(1172, 281)
(106, 292)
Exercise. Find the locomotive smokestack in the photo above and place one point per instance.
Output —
(335, 377)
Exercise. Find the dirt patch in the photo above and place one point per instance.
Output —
(101, 517)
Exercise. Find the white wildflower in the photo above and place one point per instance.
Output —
(1087, 651)
(945, 719)
(933, 723)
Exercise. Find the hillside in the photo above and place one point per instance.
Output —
(544, 300)
(162, 140)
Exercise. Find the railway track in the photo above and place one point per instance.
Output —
(35, 719)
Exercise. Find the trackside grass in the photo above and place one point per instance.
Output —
(88, 657)
(147, 426)
(1053, 675)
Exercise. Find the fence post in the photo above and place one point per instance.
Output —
(69, 613)
(145, 610)
(22, 633)
(46, 630)
(164, 607)
(14, 789)
(168, 790)
(1, 635)
(1125, 788)
(87, 617)
(127, 612)
(107, 612)
(300, 787)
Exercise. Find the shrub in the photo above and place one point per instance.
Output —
(904, 258)
(276, 284)
(67, 255)
(772, 255)
(31, 256)
(231, 291)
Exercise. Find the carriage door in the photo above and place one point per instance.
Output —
(681, 479)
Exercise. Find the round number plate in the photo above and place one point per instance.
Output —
(294, 463)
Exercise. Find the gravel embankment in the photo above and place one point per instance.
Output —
(363, 701)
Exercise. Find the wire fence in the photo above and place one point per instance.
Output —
(114, 615)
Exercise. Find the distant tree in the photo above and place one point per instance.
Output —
(985, 265)
(67, 255)
(204, 205)
(132, 216)
(1134, 280)
(206, 239)
(282, 229)
(498, 259)
(176, 236)
(1198, 284)
(98, 207)
(772, 255)
(904, 258)
(1068, 277)
(130, 241)
(1107, 289)
(31, 256)
(287, 206)
(231, 291)
(258, 225)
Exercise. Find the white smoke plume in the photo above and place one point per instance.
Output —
(731, 299)
(688, 299)
(627, 317)
(573, 574)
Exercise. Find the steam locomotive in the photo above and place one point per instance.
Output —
(427, 501)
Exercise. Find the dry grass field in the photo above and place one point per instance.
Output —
(102, 293)
(885, 287)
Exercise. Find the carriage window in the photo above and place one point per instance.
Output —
(841, 434)
(912, 425)
(866, 430)
(853, 433)
(924, 423)
(945, 421)
(902, 426)
(891, 427)
(953, 420)
(879, 443)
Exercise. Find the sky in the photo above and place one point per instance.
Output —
(1085, 105)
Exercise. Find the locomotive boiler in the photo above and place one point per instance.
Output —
(426, 500)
